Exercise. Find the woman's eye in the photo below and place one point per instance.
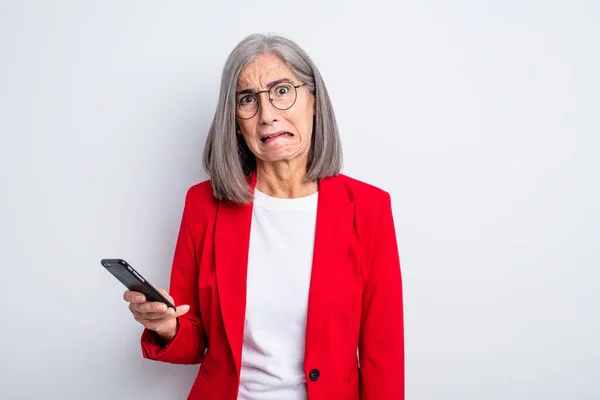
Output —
(247, 99)
(282, 90)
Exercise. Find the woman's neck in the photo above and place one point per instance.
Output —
(284, 180)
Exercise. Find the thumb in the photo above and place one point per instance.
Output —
(182, 310)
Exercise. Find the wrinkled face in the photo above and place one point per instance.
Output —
(273, 134)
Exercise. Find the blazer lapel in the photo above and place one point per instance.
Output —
(232, 240)
(335, 222)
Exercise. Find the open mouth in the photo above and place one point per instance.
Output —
(266, 138)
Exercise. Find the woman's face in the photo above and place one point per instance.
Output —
(296, 123)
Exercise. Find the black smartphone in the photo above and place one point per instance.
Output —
(133, 280)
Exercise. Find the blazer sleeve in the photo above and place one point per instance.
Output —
(189, 344)
(381, 345)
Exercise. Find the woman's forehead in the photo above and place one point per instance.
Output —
(263, 70)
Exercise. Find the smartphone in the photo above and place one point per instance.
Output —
(133, 280)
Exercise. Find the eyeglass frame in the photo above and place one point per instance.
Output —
(270, 99)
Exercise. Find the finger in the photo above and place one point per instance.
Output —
(151, 306)
(166, 294)
(144, 308)
(133, 297)
(180, 310)
(162, 315)
(140, 317)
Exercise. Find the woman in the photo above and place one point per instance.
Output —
(286, 273)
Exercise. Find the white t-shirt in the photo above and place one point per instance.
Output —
(279, 268)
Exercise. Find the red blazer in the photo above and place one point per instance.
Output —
(355, 295)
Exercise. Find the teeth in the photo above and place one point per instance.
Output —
(264, 139)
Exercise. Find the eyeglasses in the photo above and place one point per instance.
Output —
(282, 96)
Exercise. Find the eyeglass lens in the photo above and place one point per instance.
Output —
(282, 96)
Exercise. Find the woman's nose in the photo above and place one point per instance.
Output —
(267, 113)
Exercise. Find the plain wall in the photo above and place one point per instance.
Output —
(480, 118)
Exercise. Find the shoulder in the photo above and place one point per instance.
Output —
(201, 191)
(370, 202)
(372, 208)
(199, 199)
(361, 192)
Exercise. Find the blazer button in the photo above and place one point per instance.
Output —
(314, 375)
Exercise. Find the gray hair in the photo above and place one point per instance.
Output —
(227, 159)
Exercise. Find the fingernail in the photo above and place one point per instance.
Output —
(162, 307)
(185, 307)
(140, 298)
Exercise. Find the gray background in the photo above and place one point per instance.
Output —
(480, 118)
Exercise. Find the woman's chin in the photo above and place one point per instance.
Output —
(281, 155)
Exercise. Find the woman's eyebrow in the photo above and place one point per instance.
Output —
(269, 85)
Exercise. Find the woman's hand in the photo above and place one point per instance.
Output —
(154, 315)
